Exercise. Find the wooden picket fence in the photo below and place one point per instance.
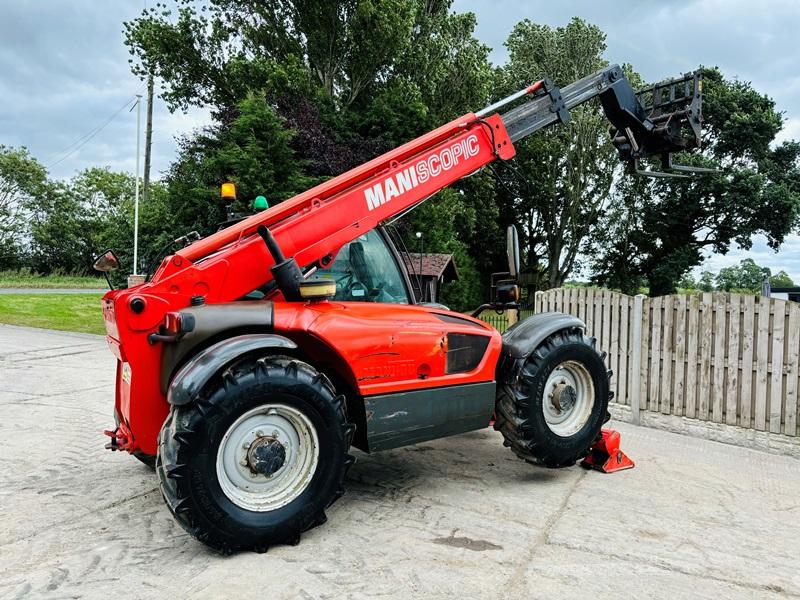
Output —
(724, 358)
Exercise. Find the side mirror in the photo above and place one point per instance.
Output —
(106, 262)
(508, 293)
(512, 250)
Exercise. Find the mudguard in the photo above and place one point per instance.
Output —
(212, 322)
(193, 375)
(522, 338)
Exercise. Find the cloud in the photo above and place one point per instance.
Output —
(790, 131)
(63, 72)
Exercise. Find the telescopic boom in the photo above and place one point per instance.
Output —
(313, 225)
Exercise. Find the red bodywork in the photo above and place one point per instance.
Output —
(362, 338)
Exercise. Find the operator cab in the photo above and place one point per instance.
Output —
(367, 270)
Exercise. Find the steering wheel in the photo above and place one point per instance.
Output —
(376, 291)
(346, 277)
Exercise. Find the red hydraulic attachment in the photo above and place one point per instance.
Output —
(121, 438)
(606, 456)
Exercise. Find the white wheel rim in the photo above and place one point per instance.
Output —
(568, 398)
(267, 424)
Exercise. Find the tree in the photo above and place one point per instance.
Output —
(249, 145)
(687, 283)
(22, 181)
(353, 77)
(60, 232)
(216, 52)
(781, 279)
(441, 72)
(403, 53)
(747, 275)
(706, 282)
(662, 227)
(611, 248)
(572, 165)
(93, 211)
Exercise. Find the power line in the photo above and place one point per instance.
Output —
(87, 137)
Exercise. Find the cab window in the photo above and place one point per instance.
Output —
(365, 271)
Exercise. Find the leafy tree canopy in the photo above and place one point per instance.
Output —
(22, 181)
(747, 275)
(77, 219)
(407, 58)
(781, 279)
(249, 146)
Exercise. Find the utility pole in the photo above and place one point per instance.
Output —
(136, 195)
(148, 140)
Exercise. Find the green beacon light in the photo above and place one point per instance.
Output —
(260, 203)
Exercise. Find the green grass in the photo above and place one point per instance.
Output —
(27, 279)
(66, 312)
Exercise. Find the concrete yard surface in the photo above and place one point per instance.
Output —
(456, 517)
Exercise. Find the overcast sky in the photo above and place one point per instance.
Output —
(64, 71)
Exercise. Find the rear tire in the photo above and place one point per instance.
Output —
(553, 409)
(257, 458)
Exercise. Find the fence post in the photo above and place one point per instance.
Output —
(512, 316)
(636, 357)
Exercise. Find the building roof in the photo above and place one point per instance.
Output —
(433, 265)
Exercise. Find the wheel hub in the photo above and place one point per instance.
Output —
(569, 398)
(266, 456)
(564, 397)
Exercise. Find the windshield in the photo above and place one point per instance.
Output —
(366, 271)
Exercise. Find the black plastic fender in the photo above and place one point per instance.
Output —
(193, 375)
(212, 322)
(522, 338)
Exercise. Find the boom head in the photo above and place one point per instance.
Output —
(656, 121)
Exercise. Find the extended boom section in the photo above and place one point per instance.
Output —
(343, 208)
(660, 120)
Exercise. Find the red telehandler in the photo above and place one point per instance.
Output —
(254, 358)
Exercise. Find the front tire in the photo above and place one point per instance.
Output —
(257, 458)
(552, 410)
